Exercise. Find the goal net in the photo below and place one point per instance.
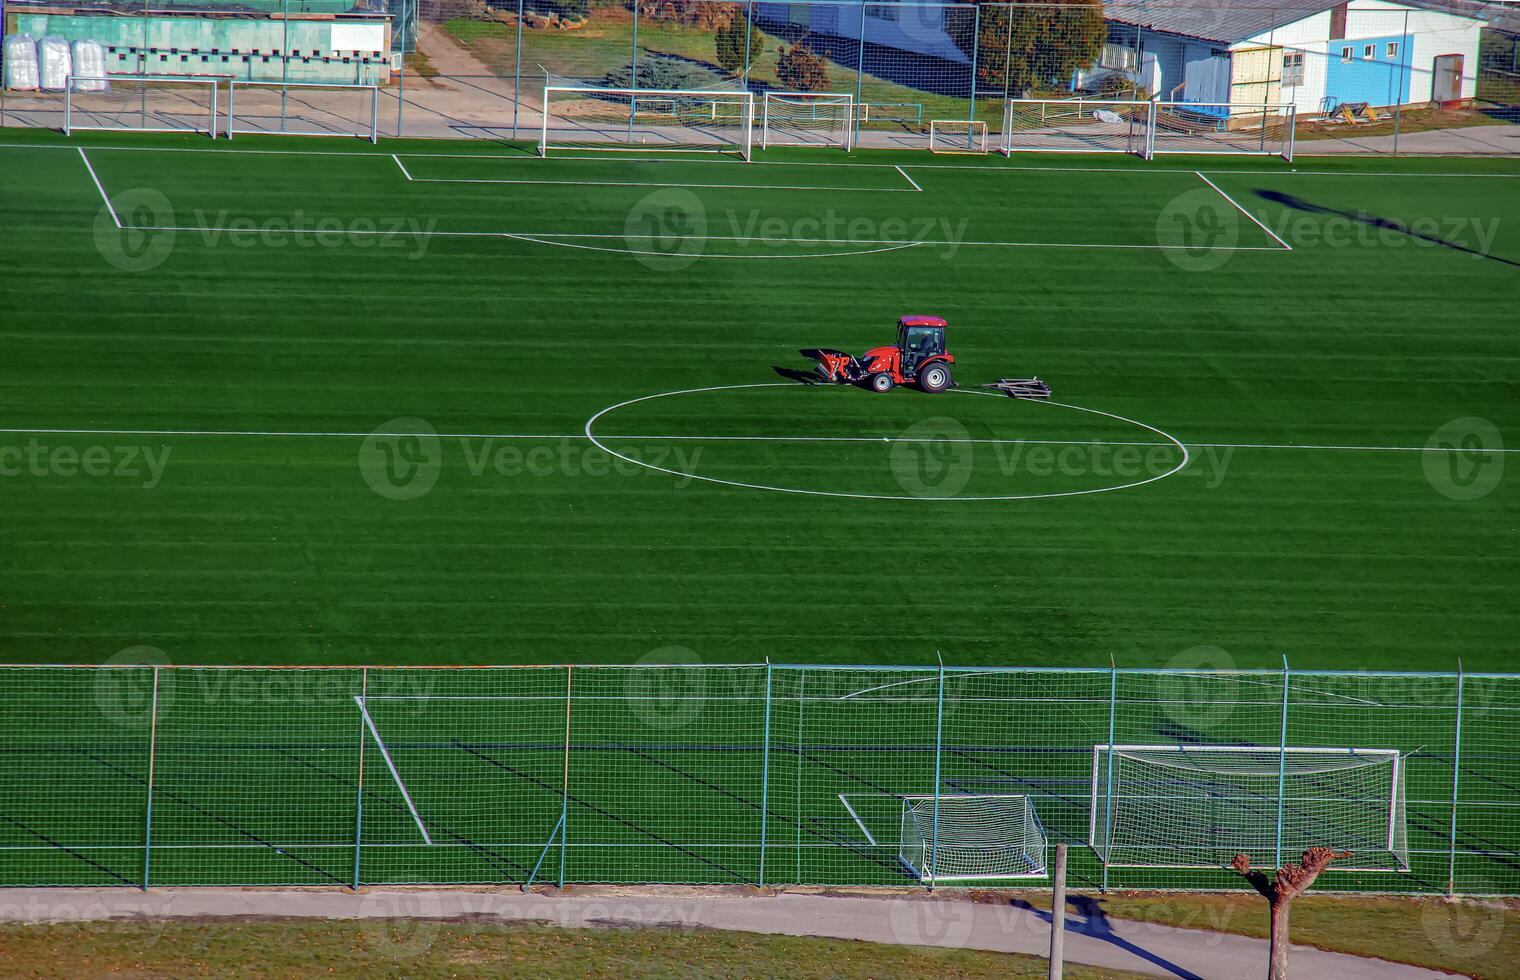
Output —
(957, 136)
(971, 838)
(1203, 127)
(303, 109)
(144, 103)
(1197, 806)
(807, 119)
(1076, 126)
(591, 118)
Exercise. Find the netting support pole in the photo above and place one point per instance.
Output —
(976, 49)
(359, 780)
(152, 760)
(939, 740)
(633, 75)
(401, 78)
(517, 84)
(1108, 780)
(1456, 771)
(801, 700)
(765, 771)
(860, 71)
(749, 32)
(1282, 765)
(564, 793)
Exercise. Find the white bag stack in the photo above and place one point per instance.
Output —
(54, 64)
(21, 63)
(90, 67)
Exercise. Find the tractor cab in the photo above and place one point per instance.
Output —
(919, 337)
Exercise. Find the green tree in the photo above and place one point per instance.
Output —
(800, 70)
(1028, 44)
(731, 41)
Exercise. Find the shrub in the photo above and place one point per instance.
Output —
(800, 70)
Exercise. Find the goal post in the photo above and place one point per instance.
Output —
(303, 109)
(1264, 129)
(585, 117)
(1077, 126)
(807, 119)
(957, 136)
(971, 837)
(141, 103)
(1197, 806)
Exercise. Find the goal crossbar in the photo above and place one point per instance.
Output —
(588, 117)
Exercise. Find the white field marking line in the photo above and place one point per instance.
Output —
(909, 179)
(98, 187)
(1243, 211)
(1011, 169)
(858, 822)
(895, 243)
(680, 437)
(659, 183)
(404, 171)
(1182, 464)
(379, 742)
(705, 255)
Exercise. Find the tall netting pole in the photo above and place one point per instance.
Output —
(860, 73)
(1456, 772)
(765, 772)
(1282, 764)
(401, 75)
(976, 49)
(1108, 782)
(517, 68)
(564, 793)
(939, 741)
(152, 762)
(801, 701)
(359, 780)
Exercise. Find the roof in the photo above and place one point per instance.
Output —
(1227, 23)
(922, 321)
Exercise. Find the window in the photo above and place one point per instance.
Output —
(1393, 51)
(1119, 57)
(883, 11)
(1338, 22)
(1293, 68)
(1369, 52)
(1347, 55)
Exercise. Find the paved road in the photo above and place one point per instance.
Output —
(912, 920)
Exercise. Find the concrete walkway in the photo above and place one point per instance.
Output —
(916, 920)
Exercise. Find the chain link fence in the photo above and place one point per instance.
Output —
(760, 775)
(1426, 77)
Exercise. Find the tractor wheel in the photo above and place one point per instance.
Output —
(881, 382)
(934, 378)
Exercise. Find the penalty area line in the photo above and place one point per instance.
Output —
(1259, 223)
(103, 196)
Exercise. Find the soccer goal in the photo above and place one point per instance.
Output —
(807, 119)
(303, 109)
(1076, 126)
(589, 118)
(1224, 128)
(1197, 806)
(144, 103)
(957, 136)
(971, 837)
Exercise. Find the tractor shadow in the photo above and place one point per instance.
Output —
(1373, 221)
(801, 377)
(1094, 924)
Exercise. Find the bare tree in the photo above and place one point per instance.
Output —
(1290, 881)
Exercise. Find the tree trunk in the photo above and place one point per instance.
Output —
(1278, 969)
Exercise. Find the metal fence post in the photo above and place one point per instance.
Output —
(401, 77)
(860, 71)
(359, 781)
(564, 793)
(801, 701)
(1282, 764)
(765, 772)
(152, 762)
(517, 67)
(633, 74)
(976, 49)
(939, 741)
(1456, 770)
(749, 31)
(1108, 780)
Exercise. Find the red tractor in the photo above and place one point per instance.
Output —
(918, 357)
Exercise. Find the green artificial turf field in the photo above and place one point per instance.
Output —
(287, 402)
(254, 532)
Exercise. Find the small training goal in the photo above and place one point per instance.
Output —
(583, 117)
(1197, 806)
(144, 103)
(807, 119)
(963, 837)
(1076, 126)
(957, 136)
